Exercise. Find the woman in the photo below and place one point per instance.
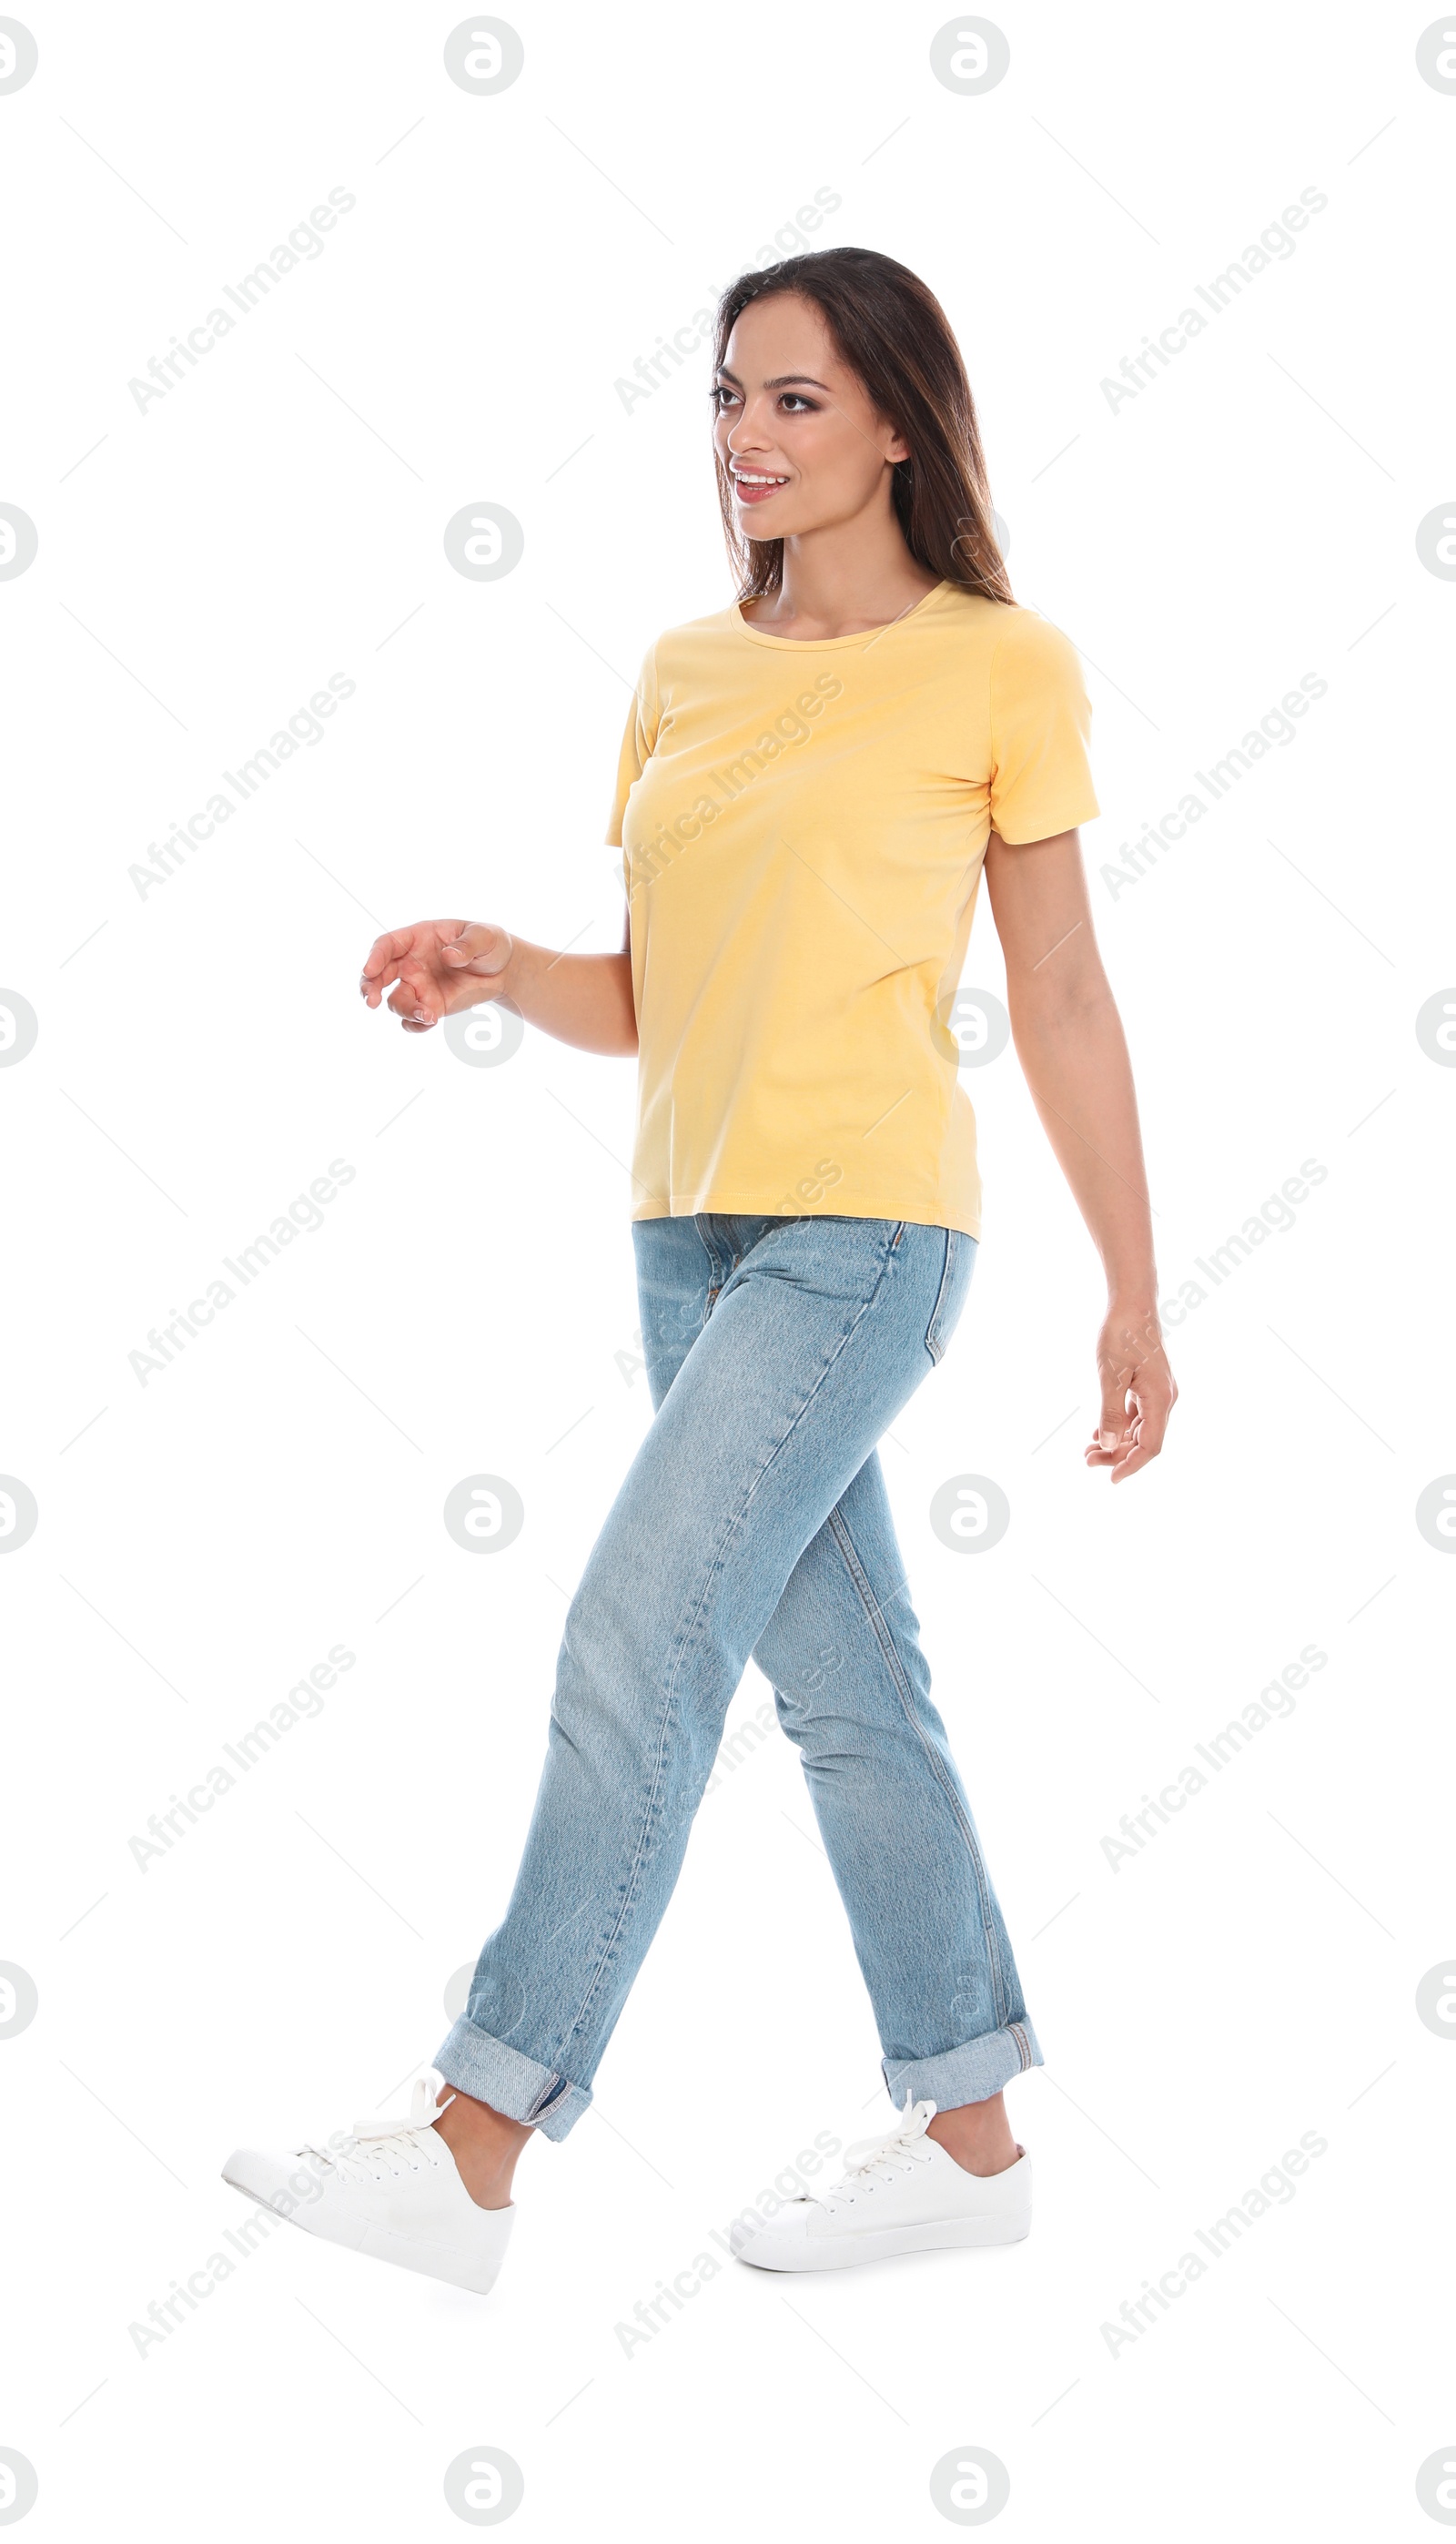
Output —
(810, 782)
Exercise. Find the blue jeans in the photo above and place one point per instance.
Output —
(754, 1519)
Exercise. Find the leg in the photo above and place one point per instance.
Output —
(813, 1334)
(851, 1688)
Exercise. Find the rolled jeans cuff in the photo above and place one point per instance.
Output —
(969, 2074)
(475, 2063)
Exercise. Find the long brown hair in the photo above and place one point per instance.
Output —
(891, 331)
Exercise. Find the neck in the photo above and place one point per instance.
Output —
(844, 579)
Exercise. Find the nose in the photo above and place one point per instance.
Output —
(744, 432)
(744, 444)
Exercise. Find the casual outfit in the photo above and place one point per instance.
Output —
(802, 847)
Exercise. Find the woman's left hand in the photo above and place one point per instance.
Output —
(1138, 1392)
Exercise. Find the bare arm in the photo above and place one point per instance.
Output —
(1070, 1043)
(443, 965)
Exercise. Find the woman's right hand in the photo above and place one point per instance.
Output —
(439, 965)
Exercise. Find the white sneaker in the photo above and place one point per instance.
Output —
(899, 2194)
(388, 2187)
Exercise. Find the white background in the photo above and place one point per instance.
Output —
(203, 567)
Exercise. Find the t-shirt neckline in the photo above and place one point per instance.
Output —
(827, 644)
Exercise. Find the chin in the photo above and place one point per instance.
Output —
(770, 520)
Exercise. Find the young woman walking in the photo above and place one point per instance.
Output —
(811, 782)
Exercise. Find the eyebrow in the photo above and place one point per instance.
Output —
(785, 380)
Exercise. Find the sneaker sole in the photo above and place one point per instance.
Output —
(886, 2243)
(432, 2261)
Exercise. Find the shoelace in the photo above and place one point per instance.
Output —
(875, 2159)
(375, 2148)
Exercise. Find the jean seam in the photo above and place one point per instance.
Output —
(933, 1344)
(715, 1277)
(685, 1637)
(880, 1631)
(639, 1859)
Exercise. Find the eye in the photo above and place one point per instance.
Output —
(794, 404)
(719, 390)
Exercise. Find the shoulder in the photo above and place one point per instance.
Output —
(685, 651)
(695, 636)
(1029, 647)
(1012, 644)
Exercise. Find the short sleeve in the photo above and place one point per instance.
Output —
(639, 738)
(1040, 725)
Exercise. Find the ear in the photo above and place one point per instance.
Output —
(896, 448)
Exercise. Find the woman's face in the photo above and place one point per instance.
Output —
(795, 429)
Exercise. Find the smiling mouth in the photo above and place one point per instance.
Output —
(754, 486)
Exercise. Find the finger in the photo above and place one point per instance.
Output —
(1137, 1457)
(1112, 1422)
(1146, 1434)
(1153, 1411)
(409, 999)
(1145, 1437)
(382, 962)
(416, 1001)
(1120, 1432)
(478, 946)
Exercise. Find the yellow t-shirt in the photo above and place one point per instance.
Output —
(803, 828)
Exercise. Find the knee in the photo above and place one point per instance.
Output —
(824, 1735)
(805, 1670)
